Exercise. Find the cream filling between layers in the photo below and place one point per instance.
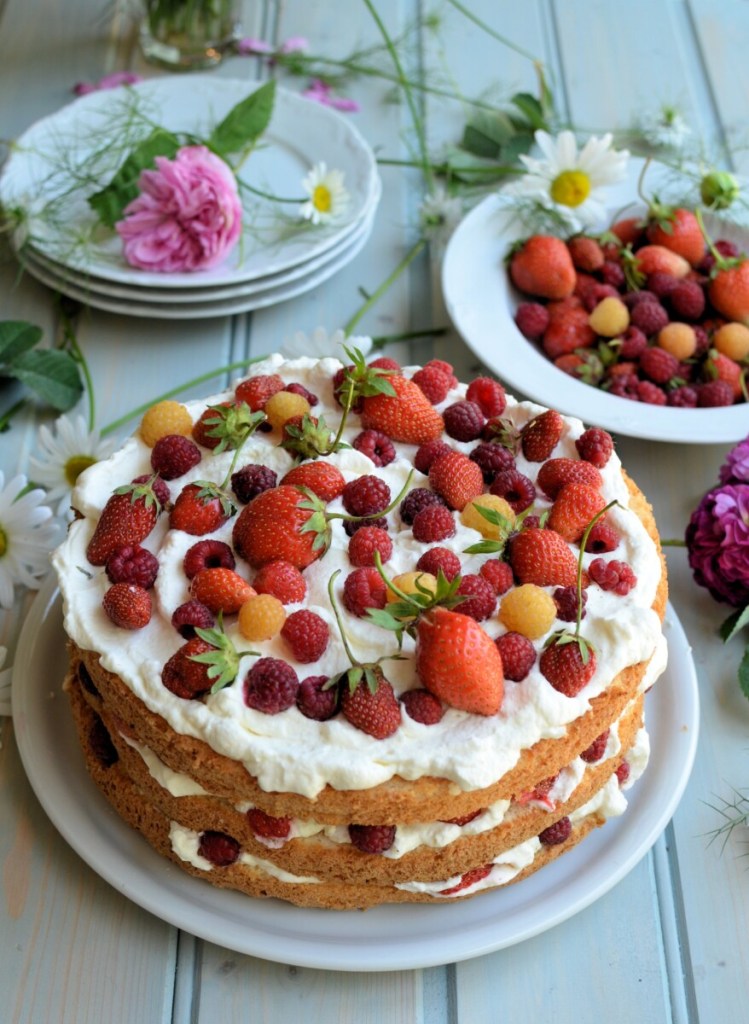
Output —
(287, 752)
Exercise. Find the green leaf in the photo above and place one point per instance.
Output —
(485, 547)
(487, 133)
(744, 673)
(244, 123)
(109, 203)
(734, 623)
(17, 337)
(52, 374)
(530, 108)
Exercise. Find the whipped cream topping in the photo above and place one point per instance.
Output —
(288, 752)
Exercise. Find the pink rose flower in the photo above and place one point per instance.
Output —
(187, 217)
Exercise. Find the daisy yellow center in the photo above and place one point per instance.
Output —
(570, 188)
(3, 542)
(75, 466)
(322, 200)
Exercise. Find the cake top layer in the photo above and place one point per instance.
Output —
(287, 751)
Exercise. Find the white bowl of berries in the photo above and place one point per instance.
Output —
(641, 327)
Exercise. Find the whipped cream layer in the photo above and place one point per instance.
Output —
(288, 752)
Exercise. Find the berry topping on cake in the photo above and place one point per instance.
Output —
(434, 523)
(220, 590)
(365, 542)
(192, 615)
(251, 480)
(423, 706)
(261, 617)
(255, 391)
(456, 478)
(437, 560)
(428, 452)
(458, 662)
(173, 455)
(162, 419)
(464, 420)
(316, 700)
(541, 435)
(276, 525)
(376, 446)
(407, 415)
(127, 518)
(201, 508)
(542, 557)
(130, 563)
(364, 588)
(518, 655)
(568, 662)
(185, 677)
(207, 554)
(612, 575)
(371, 705)
(556, 473)
(281, 579)
(127, 605)
(307, 635)
(271, 686)
(574, 507)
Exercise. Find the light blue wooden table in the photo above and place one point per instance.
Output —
(669, 942)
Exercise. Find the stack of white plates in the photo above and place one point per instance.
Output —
(64, 158)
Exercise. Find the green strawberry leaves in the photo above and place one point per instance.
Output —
(223, 661)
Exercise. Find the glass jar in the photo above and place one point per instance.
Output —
(187, 35)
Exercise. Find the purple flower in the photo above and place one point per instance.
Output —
(111, 81)
(323, 93)
(717, 539)
(187, 217)
(736, 467)
(294, 44)
(248, 47)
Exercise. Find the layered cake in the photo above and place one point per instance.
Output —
(352, 635)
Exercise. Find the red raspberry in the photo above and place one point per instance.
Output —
(376, 446)
(159, 486)
(219, 848)
(173, 455)
(439, 558)
(602, 539)
(127, 605)
(314, 701)
(251, 480)
(364, 588)
(651, 393)
(714, 393)
(256, 391)
(625, 386)
(702, 340)
(266, 826)
(101, 743)
(434, 384)
(270, 686)
(489, 395)
(565, 598)
(428, 452)
(281, 579)
(208, 554)
(372, 838)
(622, 772)
(467, 879)
(633, 343)
(300, 389)
(557, 833)
(532, 319)
(423, 706)
(386, 363)
(444, 367)
(415, 501)
(433, 523)
(661, 284)
(492, 459)
(595, 445)
(517, 489)
(352, 526)
(659, 365)
(518, 655)
(612, 274)
(596, 293)
(365, 496)
(186, 617)
(650, 317)
(481, 598)
(464, 420)
(130, 563)
(307, 634)
(687, 300)
(498, 574)
(596, 750)
(684, 397)
(364, 544)
(613, 575)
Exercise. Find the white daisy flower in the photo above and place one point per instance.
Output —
(328, 197)
(65, 451)
(321, 343)
(4, 684)
(569, 182)
(439, 214)
(665, 128)
(26, 537)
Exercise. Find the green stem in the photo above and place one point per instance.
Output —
(494, 170)
(379, 292)
(388, 339)
(673, 543)
(341, 630)
(116, 424)
(70, 339)
(492, 32)
(8, 416)
(267, 195)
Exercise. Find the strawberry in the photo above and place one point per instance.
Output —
(729, 291)
(555, 473)
(586, 253)
(220, 590)
(200, 508)
(406, 416)
(628, 230)
(676, 229)
(256, 391)
(185, 677)
(542, 557)
(458, 662)
(127, 518)
(128, 606)
(456, 478)
(322, 478)
(540, 435)
(652, 259)
(275, 526)
(542, 266)
(574, 507)
(722, 367)
(568, 662)
(377, 711)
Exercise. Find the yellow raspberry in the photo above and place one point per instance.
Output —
(610, 317)
(162, 419)
(406, 582)
(471, 517)
(733, 341)
(283, 405)
(529, 610)
(261, 618)
(678, 339)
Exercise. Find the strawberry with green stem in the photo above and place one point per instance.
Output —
(128, 517)
(402, 616)
(673, 227)
(206, 663)
(728, 289)
(223, 661)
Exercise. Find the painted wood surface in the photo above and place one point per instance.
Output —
(668, 942)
